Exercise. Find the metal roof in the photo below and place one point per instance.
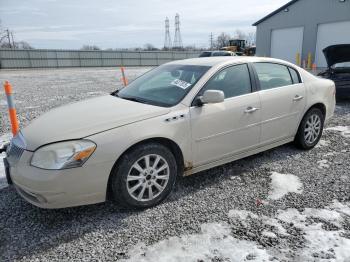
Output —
(275, 12)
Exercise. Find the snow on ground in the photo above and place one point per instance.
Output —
(323, 231)
(3, 139)
(213, 243)
(344, 130)
(322, 143)
(323, 164)
(283, 184)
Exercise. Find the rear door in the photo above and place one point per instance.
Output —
(282, 96)
(223, 129)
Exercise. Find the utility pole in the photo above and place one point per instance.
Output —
(13, 41)
(8, 37)
(211, 40)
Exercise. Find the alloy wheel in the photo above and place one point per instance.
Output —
(148, 177)
(312, 129)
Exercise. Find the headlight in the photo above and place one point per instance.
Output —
(63, 155)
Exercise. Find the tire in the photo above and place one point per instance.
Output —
(131, 178)
(310, 129)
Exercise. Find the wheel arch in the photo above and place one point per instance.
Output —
(170, 144)
(318, 105)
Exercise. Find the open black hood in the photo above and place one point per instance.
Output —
(337, 54)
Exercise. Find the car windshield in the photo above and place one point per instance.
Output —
(165, 85)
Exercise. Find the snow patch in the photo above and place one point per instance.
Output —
(323, 164)
(213, 242)
(241, 214)
(95, 93)
(321, 243)
(3, 102)
(329, 154)
(283, 184)
(32, 107)
(322, 143)
(344, 130)
(268, 234)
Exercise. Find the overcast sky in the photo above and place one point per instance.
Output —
(128, 23)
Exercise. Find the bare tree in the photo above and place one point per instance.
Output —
(23, 45)
(239, 34)
(222, 40)
(149, 47)
(7, 40)
(251, 38)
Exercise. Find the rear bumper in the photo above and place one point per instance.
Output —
(342, 91)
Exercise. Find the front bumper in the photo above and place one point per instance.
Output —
(59, 188)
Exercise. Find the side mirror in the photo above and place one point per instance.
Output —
(212, 97)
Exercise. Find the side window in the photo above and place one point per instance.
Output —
(233, 81)
(272, 75)
(295, 76)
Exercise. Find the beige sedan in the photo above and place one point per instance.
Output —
(178, 119)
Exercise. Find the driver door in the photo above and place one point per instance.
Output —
(225, 129)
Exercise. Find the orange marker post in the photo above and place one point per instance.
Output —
(124, 79)
(11, 108)
(314, 67)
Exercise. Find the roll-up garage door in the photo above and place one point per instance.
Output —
(286, 43)
(330, 34)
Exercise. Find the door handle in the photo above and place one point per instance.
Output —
(251, 109)
(297, 98)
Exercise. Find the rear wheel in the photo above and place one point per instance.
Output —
(144, 176)
(310, 129)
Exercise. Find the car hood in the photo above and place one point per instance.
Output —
(337, 54)
(87, 117)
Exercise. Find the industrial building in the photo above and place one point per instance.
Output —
(303, 27)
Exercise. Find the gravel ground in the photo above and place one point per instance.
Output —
(233, 205)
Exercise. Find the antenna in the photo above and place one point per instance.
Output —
(167, 41)
(177, 39)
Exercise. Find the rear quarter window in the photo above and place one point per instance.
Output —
(272, 75)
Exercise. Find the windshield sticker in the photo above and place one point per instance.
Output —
(180, 83)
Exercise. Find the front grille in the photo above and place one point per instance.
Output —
(15, 150)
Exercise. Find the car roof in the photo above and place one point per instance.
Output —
(218, 60)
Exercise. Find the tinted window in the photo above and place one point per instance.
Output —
(294, 75)
(221, 54)
(272, 75)
(233, 81)
(205, 54)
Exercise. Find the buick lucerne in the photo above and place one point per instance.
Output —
(177, 119)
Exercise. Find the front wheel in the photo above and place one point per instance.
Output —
(144, 176)
(310, 129)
